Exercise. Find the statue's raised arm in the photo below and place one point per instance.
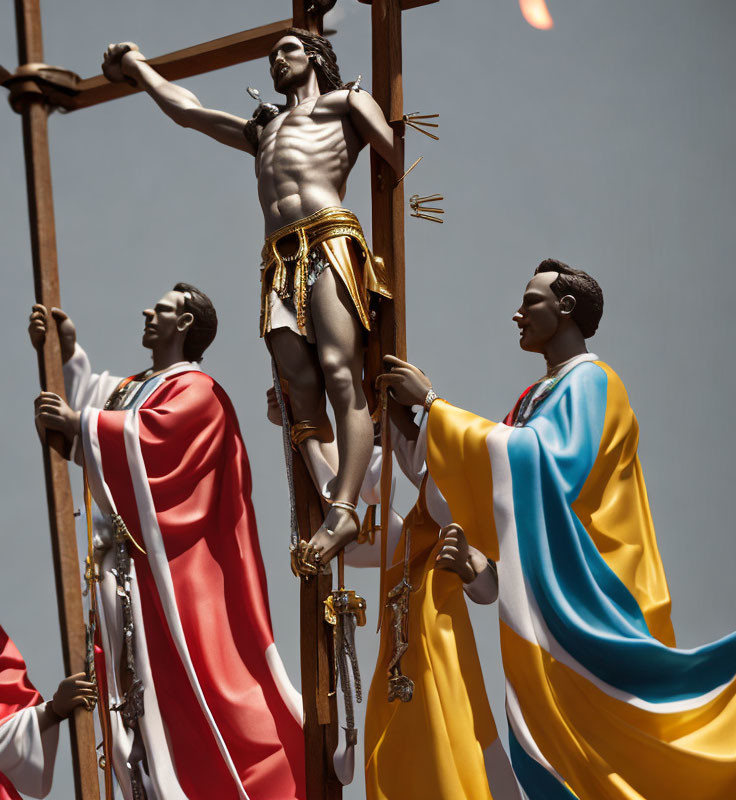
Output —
(125, 61)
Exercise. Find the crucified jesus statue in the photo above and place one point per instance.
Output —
(317, 271)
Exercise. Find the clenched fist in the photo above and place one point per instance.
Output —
(408, 384)
(74, 691)
(38, 328)
(455, 553)
(54, 413)
(113, 67)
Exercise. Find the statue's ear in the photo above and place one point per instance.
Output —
(184, 321)
(567, 304)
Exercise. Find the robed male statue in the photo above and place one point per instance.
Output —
(600, 703)
(194, 693)
(317, 271)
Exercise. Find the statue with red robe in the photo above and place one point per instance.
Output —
(199, 701)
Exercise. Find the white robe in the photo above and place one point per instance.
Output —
(27, 755)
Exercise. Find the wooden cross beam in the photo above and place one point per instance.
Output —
(224, 52)
(33, 92)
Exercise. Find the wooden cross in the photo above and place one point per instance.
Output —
(33, 91)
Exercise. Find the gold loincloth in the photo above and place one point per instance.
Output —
(337, 234)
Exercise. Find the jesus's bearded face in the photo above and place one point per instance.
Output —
(290, 65)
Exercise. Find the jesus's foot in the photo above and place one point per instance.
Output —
(341, 526)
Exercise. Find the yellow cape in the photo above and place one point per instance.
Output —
(430, 748)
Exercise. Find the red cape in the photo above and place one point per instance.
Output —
(196, 468)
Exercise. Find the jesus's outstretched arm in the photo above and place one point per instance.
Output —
(125, 60)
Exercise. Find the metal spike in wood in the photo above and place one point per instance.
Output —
(423, 211)
(419, 123)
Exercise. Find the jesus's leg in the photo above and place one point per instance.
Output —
(298, 365)
(339, 338)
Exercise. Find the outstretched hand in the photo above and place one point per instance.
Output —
(408, 384)
(38, 328)
(74, 691)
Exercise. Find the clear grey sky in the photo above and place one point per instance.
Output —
(607, 143)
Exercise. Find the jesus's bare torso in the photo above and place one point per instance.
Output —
(304, 158)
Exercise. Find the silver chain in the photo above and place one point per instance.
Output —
(347, 662)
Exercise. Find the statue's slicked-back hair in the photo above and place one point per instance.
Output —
(323, 58)
(203, 330)
(586, 291)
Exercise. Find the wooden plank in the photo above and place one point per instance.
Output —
(196, 60)
(388, 212)
(388, 199)
(320, 705)
(305, 14)
(58, 489)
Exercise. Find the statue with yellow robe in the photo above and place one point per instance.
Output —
(600, 702)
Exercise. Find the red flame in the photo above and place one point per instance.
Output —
(536, 14)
